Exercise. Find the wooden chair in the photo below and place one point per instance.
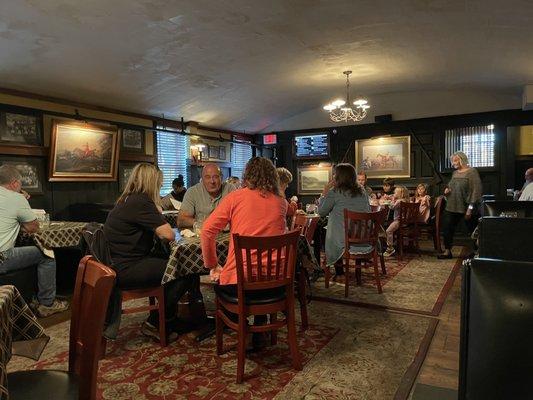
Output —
(433, 226)
(97, 245)
(382, 241)
(409, 214)
(307, 226)
(361, 229)
(264, 286)
(94, 282)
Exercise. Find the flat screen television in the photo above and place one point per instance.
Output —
(312, 145)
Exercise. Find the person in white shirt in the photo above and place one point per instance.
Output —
(16, 214)
(527, 190)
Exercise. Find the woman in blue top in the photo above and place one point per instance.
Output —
(343, 192)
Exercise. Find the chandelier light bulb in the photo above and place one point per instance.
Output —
(341, 111)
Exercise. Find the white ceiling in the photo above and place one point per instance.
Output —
(251, 65)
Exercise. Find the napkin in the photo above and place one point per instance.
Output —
(175, 203)
(187, 233)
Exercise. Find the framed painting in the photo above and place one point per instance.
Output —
(32, 171)
(132, 141)
(20, 129)
(313, 178)
(222, 152)
(124, 172)
(213, 152)
(83, 152)
(384, 157)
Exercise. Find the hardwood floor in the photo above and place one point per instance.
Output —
(441, 366)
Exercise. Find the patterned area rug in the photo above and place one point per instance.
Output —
(416, 284)
(349, 353)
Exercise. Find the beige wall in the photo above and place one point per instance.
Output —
(524, 142)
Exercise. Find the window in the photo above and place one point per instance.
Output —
(172, 155)
(240, 154)
(476, 142)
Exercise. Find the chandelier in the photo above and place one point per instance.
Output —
(341, 110)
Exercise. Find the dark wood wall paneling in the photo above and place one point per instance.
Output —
(57, 196)
(507, 174)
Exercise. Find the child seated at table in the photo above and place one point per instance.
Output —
(388, 190)
(424, 199)
(400, 194)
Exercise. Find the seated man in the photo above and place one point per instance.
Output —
(15, 213)
(201, 199)
(361, 179)
(526, 194)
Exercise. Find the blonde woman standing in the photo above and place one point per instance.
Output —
(129, 230)
(463, 193)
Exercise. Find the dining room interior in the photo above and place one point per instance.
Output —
(279, 200)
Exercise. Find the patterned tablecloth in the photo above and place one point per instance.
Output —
(186, 256)
(56, 234)
(20, 333)
(170, 217)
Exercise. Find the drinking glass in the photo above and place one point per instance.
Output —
(46, 220)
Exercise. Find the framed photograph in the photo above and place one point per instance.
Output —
(20, 129)
(213, 152)
(313, 178)
(124, 172)
(32, 171)
(222, 152)
(384, 157)
(132, 141)
(83, 152)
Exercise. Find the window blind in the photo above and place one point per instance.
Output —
(477, 142)
(172, 155)
(240, 154)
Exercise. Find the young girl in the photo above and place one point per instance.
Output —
(425, 202)
(388, 190)
(400, 194)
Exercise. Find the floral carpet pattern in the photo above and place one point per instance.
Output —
(348, 353)
(412, 285)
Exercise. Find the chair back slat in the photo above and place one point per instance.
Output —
(269, 260)
(361, 227)
(94, 282)
(409, 213)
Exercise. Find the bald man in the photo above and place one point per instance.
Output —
(201, 199)
(526, 194)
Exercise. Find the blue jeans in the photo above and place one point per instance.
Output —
(26, 256)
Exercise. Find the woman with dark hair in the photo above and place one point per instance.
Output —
(177, 193)
(255, 210)
(343, 192)
(129, 230)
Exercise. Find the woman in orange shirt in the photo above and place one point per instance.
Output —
(258, 209)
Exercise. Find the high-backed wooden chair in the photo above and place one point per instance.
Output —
(409, 214)
(361, 235)
(94, 282)
(307, 226)
(265, 285)
(98, 248)
(433, 226)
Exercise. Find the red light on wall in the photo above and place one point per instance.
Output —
(270, 139)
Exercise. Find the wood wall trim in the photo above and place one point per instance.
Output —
(137, 157)
(24, 150)
(34, 96)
